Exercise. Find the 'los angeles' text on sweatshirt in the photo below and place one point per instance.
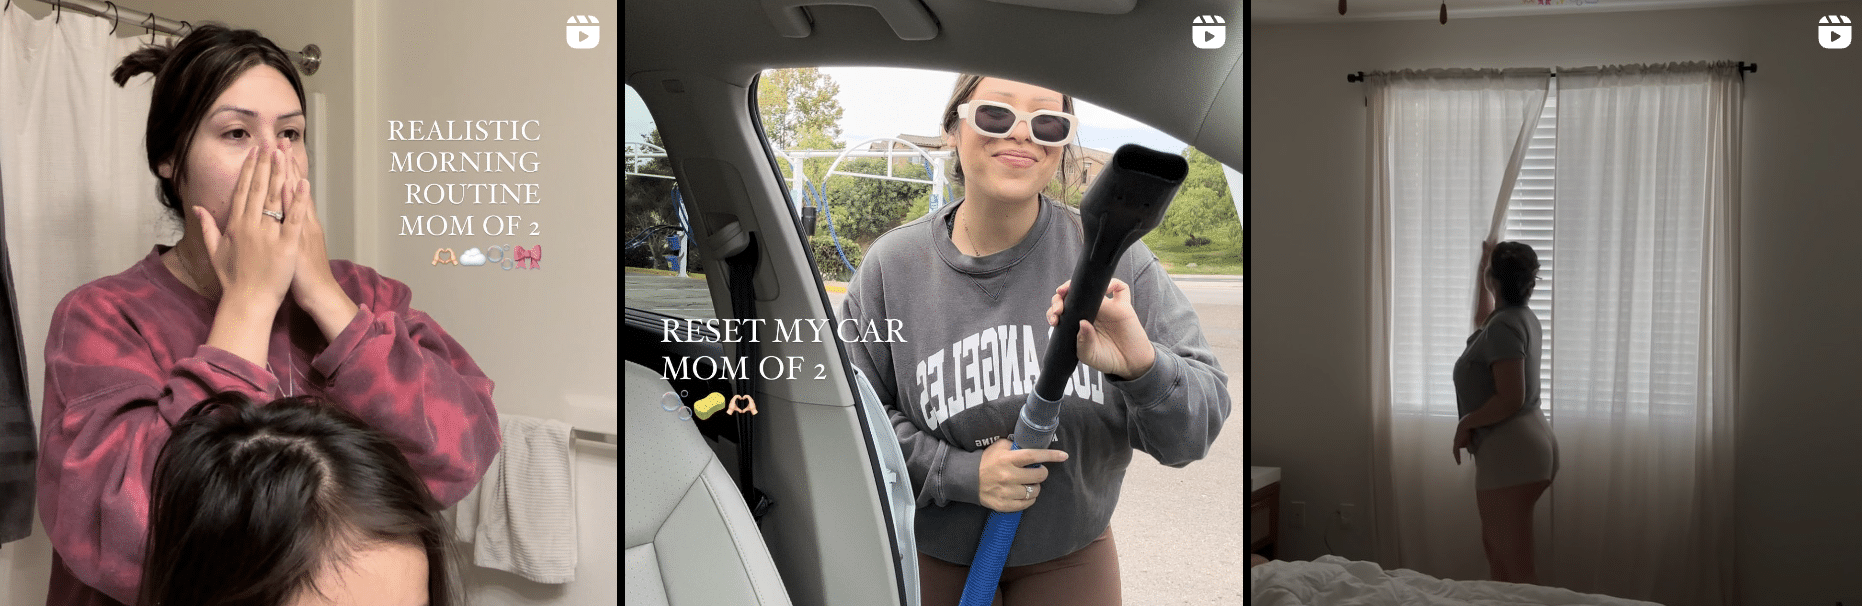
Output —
(974, 332)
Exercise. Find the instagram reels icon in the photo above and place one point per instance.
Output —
(1833, 31)
(584, 32)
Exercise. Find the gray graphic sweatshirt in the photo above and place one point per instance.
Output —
(975, 331)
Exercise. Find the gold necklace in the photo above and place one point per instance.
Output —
(972, 238)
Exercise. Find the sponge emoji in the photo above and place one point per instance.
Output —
(711, 404)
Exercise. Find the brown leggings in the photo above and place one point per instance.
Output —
(1086, 577)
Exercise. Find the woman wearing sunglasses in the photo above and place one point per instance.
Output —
(977, 285)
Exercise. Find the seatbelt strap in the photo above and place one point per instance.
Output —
(743, 306)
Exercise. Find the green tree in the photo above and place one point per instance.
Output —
(828, 258)
(865, 208)
(921, 205)
(1203, 206)
(800, 110)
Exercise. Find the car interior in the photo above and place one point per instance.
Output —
(837, 527)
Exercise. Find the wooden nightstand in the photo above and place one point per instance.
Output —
(1263, 510)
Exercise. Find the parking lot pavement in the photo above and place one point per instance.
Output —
(670, 295)
(1182, 533)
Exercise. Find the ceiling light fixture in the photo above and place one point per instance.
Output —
(1444, 12)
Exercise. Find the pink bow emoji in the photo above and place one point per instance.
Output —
(535, 255)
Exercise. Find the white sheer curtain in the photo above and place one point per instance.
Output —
(1644, 211)
(1646, 222)
(80, 201)
(1440, 145)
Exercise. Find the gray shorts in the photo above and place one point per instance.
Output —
(1517, 451)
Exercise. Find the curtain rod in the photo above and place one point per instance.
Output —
(307, 60)
(1743, 68)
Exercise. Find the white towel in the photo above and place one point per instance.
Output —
(521, 516)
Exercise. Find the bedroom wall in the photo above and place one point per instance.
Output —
(1799, 473)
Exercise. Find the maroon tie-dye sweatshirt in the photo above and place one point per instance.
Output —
(126, 356)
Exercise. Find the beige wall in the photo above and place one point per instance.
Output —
(1799, 471)
(547, 338)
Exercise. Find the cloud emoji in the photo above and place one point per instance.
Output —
(710, 405)
(472, 256)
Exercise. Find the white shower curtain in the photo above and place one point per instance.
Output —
(1440, 144)
(81, 203)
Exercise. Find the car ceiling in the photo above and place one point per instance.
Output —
(1141, 64)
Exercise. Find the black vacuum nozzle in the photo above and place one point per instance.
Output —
(1126, 201)
(1135, 189)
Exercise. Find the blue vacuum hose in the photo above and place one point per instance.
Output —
(1126, 202)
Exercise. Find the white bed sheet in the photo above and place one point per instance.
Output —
(1335, 581)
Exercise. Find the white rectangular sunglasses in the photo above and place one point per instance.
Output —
(996, 119)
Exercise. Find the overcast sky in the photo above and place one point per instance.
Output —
(887, 102)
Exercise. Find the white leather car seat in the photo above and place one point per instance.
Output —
(690, 538)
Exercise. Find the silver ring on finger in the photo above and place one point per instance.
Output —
(1030, 489)
(273, 214)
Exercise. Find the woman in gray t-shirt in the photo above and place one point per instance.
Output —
(1497, 391)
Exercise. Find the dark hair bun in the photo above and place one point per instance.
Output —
(1516, 266)
(146, 60)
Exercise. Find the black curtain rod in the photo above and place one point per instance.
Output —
(1743, 67)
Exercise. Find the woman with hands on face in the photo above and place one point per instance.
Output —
(248, 301)
(271, 246)
(967, 284)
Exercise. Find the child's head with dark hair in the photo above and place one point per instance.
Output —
(1515, 270)
(194, 79)
(295, 502)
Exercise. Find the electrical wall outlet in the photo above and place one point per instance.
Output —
(1347, 513)
(1296, 514)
